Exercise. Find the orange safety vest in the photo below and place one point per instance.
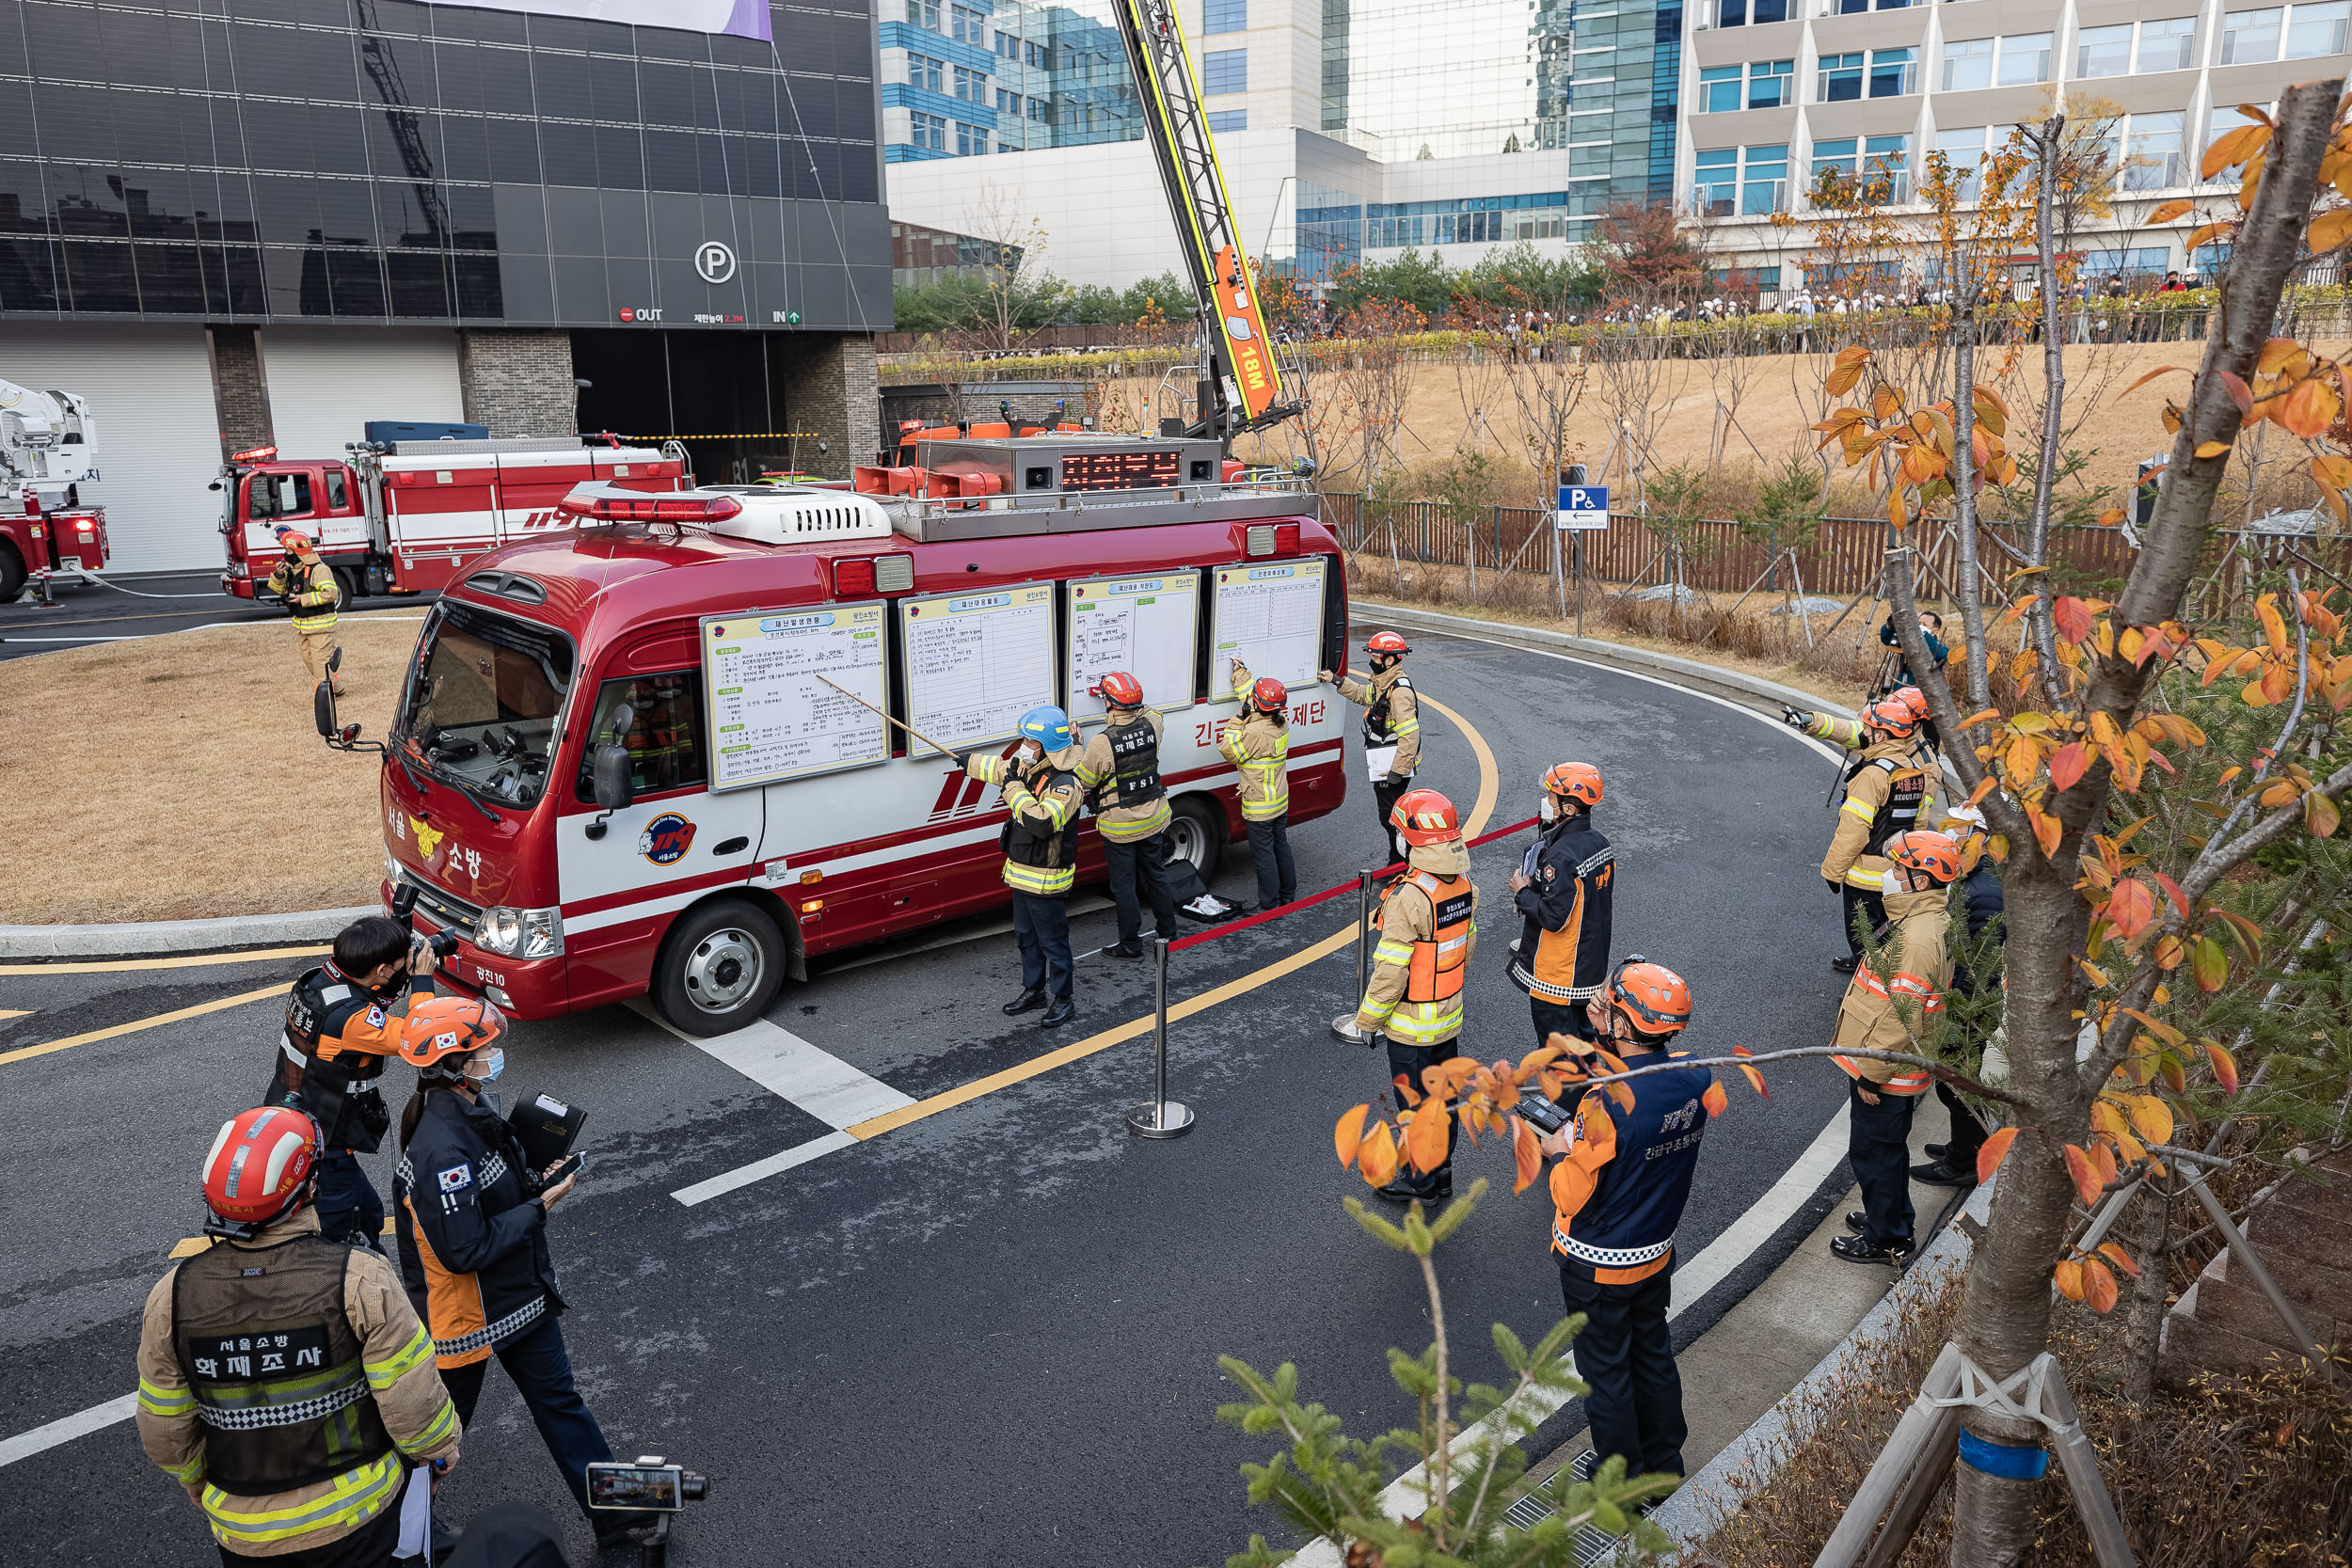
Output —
(1437, 971)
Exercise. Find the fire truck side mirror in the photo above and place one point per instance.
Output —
(323, 709)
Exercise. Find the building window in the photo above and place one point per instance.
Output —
(1967, 65)
(1747, 180)
(925, 72)
(1772, 84)
(1738, 13)
(2169, 45)
(971, 86)
(970, 140)
(930, 130)
(1008, 102)
(1008, 46)
(1224, 16)
(1855, 8)
(971, 26)
(1035, 53)
(1766, 85)
(1036, 110)
(924, 14)
(2249, 36)
(1229, 120)
(2153, 159)
(2314, 30)
(1963, 156)
(2025, 59)
(1840, 78)
(1225, 71)
(1719, 89)
(2104, 50)
(1894, 72)
(1882, 164)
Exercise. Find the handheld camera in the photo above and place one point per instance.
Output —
(404, 910)
(651, 1485)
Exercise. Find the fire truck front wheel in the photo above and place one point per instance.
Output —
(11, 572)
(1197, 832)
(720, 967)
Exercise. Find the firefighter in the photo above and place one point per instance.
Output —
(1853, 735)
(1257, 741)
(1953, 1163)
(284, 1380)
(1617, 1194)
(1563, 891)
(339, 1031)
(1120, 770)
(1885, 791)
(1413, 1001)
(1895, 1011)
(308, 586)
(1041, 842)
(1392, 726)
(473, 1240)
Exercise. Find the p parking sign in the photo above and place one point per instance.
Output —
(1583, 507)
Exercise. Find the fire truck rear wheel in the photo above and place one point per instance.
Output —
(1196, 832)
(720, 968)
(11, 575)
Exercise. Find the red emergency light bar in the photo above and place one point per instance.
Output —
(611, 504)
(253, 454)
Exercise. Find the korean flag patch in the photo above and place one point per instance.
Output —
(375, 1018)
(457, 1178)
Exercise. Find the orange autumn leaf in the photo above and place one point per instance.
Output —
(2170, 950)
(2224, 1067)
(2320, 816)
(1349, 1135)
(1527, 1159)
(2211, 449)
(2152, 1117)
(2114, 1252)
(2168, 211)
(1621, 1094)
(2313, 406)
(2047, 830)
(2068, 763)
(1755, 1082)
(1426, 1135)
(1994, 1150)
(2130, 908)
(1376, 1159)
(1716, 1101)
(2102, 1165)
(2098, 1287)
(2071, 616)
(2022, 761)
(2083, 1173)
(2331, 229)
(2068, 1277)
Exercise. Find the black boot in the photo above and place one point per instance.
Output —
(1061, 1012)
(1856, 1221)
(1125, 950)
(1861, 1249)
(1028, 1002)
(1397, 1192)
(1942, 1173)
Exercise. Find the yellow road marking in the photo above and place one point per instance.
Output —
(196, 961)
(1489, 788)
(16, 1012)
(136, 1024)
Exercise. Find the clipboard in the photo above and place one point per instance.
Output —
(1377, 761)
(546, 1129)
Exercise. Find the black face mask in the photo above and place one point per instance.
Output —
(392, 989)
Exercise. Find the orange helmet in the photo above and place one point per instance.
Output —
(1386, 642)
(1270, 695)
(1121, 690)
(1921, 850)
(259, 1169)
(1424, 817)
(294, 540)
(1912, 699)
(440, 1027)
(1578, 781)
(1892, 715)
(1654, 998)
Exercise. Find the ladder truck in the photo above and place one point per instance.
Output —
(48, 450)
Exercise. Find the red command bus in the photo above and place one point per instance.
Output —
(548, 789)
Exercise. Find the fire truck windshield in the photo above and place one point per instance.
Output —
(483, 701)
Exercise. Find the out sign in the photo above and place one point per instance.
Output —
(1583, 507)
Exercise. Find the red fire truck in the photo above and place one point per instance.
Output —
(401, 516)
(561, 785)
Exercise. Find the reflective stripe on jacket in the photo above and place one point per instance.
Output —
(1885, 794)
(1618, 1195)
(1428, 931)
(1899, 1012)
(1040, 840)
(1119, 819)
(1258, 746)
(311, 593)
(1392, 716)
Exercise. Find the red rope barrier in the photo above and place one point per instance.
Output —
(1324, 896)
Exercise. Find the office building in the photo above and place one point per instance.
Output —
(1776, 94)
(266, 227)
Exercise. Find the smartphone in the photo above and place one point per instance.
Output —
(564, 1167)
(1541, 1113)
(630, 1487)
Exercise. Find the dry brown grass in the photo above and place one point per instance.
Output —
(179, 776)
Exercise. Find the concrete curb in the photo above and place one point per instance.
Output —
(146, 937)
(1714, 1494)
(1689, 671)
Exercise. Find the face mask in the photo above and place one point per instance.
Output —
(495, 1062)
(1548, 811)
(1891, 883)
(392, 989)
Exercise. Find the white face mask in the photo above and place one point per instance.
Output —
(1548, 810)
(1891, 883)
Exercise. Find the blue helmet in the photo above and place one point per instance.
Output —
(1049, 726)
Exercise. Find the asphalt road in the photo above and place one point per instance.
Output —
(88, 614)
(988, 1335)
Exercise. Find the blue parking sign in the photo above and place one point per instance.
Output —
(1583, 506)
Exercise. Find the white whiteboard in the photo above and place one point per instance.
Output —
(771, 718)
(1271, 618)
(1145, 626)
(977, 663)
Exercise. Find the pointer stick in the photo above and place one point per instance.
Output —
(943, 750)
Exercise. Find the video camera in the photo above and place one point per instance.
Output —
(404, 910)
(651, 1485)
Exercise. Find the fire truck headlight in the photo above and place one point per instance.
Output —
(521, 933)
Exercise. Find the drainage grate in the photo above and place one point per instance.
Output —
(1592, 1544)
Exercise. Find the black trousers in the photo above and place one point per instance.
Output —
(369, 1547)
(541, 1368)
(1967, 1131)
(1040, 926)
(349, 1206)
(1270, 852)
(1408, 1062)
(1385, 795)
(1559, 1018)
(1873, 907)
(1139, 863)
(1626, 1355)
(1878, 1141)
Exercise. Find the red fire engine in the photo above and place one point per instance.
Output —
(401, 516)
(569, 790)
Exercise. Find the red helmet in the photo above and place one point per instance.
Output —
(1654, 998)
(1892, 715)
(1578, 781)
(294, 539)
(439, 1027)
(1121, 690)
(1937, 854)
(1386, 642)
(259, 1166)
(1424, 817)
(1270, 695)
(1911, 698)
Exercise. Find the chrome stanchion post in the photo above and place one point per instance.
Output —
(1343, 1027)
(1160, 1117)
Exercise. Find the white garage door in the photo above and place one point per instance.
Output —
(151, 393)
(326, 382)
